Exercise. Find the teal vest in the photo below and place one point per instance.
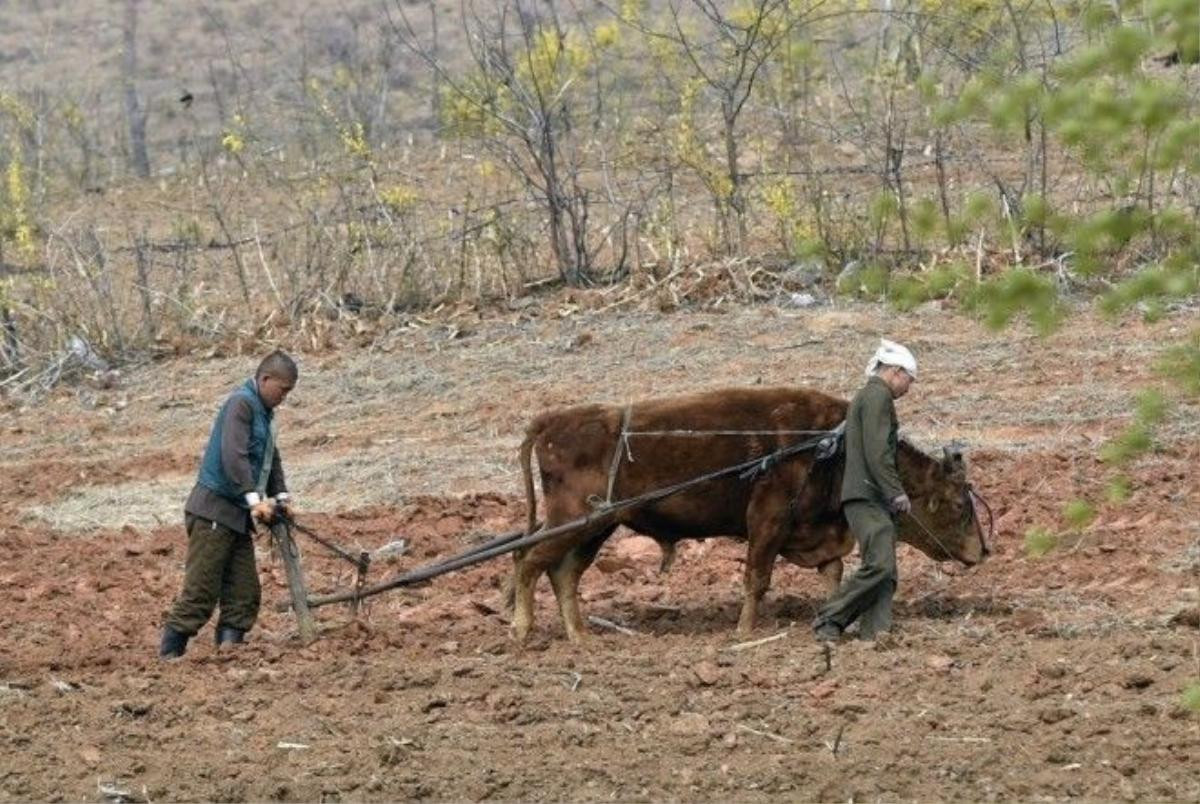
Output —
(212, 471)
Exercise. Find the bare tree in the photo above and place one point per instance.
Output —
(518, 99)
(135, 115)
(729, 57)
(10, 346)
(435, 104)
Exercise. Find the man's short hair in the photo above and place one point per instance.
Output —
(280, 365)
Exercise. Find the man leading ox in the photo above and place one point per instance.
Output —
(872, 496)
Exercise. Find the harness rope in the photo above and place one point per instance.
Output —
(504, 544)
(972, 495)
(616, 458)
(825, 442)
(699, 433)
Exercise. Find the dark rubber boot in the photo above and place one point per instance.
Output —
(173, 645)
(227, 635)
(827, 632)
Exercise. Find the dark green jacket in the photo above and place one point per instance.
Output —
(871, 439)
(232, 462)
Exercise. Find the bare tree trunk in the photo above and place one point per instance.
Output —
(10, 346)
(233, 247)
(435, 102)
(939, 157)
(149, 326)
(563, 254)
(101, 280)
(895, 159)
(135, 116)
(736, 201)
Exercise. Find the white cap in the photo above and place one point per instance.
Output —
(892, 354)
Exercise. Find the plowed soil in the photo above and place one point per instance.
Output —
(1030, 677)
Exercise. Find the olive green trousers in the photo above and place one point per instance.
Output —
(220, 570)
(866, 596)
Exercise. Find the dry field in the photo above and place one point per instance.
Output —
(1029, 678)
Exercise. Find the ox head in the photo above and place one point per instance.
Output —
(945, 522)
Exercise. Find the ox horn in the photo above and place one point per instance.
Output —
(952, 454)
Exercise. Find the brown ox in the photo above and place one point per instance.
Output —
(792, 509)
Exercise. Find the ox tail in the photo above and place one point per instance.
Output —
(531, 437)
(508, 589)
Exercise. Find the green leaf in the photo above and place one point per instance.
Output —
(1134, 441)
(1152, 407)
(1127, 46)
(1039, 541)
(1015, 292)
(1119, 490)
(1179, 145)
(906, 292)
(1179, 22)
(1181, 364)
(1079, 514)
(1153, 105)
(870, 281)
(1035, 211)
(883, 207)
(979, 207)
(1152, 282)
(1190, 700)
(924, 217)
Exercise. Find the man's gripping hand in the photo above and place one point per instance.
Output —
(263, 511)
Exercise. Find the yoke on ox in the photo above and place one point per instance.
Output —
(591, 455)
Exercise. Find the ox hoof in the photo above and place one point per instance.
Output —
(746, 625)
(579, 638)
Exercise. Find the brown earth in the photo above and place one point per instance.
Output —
(1052, 677)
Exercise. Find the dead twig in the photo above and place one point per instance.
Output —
(756, 642)
(962, 739)
(603, 623)
(777, 738)
(797, 345)
(836, 745)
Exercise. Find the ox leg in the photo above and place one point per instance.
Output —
(524, 582)
(768, 519)
(508, 590)
(544, 557)
(831, 573)
(668, 556)
(565, 580)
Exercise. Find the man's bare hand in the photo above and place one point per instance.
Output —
(263, 511)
